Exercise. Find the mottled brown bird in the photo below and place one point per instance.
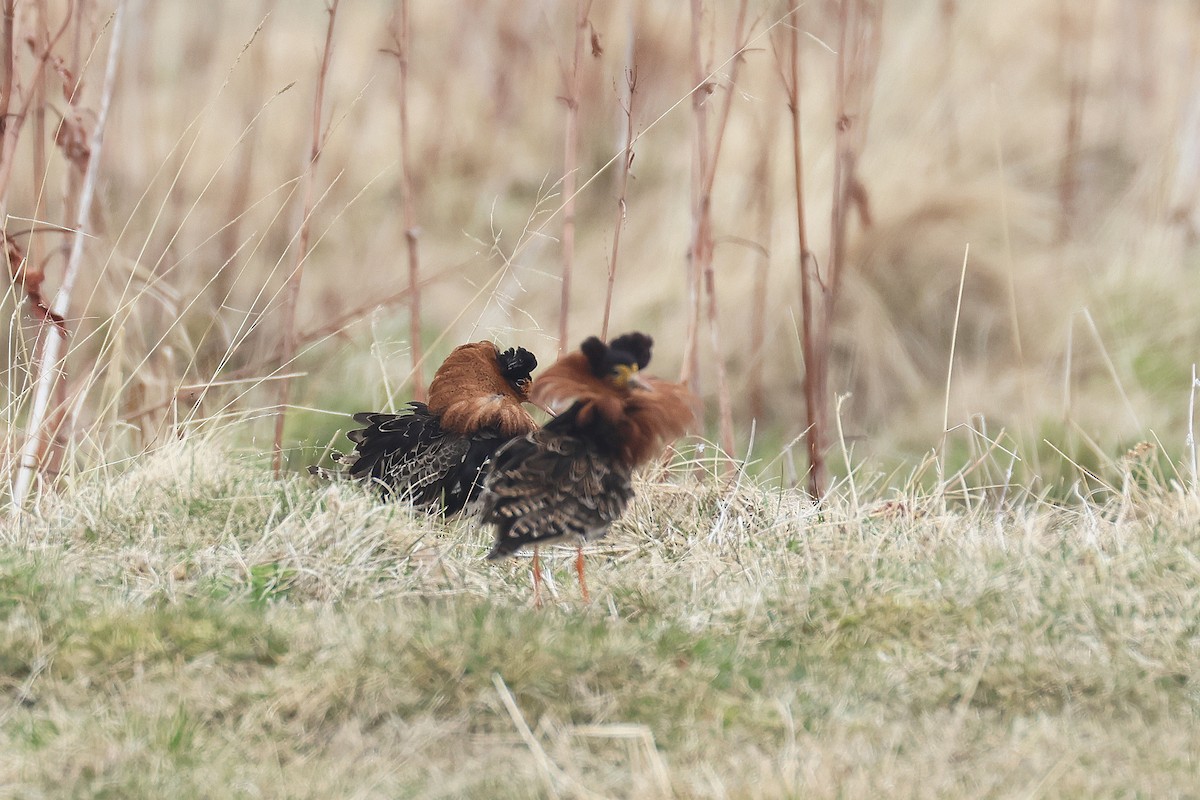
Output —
(570, 479)
(433, 454)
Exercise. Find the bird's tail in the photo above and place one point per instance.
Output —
(388, 439)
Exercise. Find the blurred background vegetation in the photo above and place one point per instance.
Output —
(1059, 141)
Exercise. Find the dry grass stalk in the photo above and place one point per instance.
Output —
(622, 183)
(724, 400)
(1190, 442)
(402, 35)
(701, 249)
(815, 376)
(962, 281)
(859, 26)
(292, 290)
(38, 99)
(763, 207)
(11, 131)
(859, 30)
(1075, 42)
(48, 362)
(947, 11)
(701, 221)
(570, 157)
(42, 46)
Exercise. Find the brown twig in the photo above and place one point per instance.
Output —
(701, 220)
(815, 385)
(947, 11)
(1074, 52)
(37, 97)
(763, 207)
(402, 36)
(292, 291)
(622, 183)
(570, 157)
(9, 128)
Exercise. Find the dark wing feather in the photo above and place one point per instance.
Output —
(410, 455)
(549, 486)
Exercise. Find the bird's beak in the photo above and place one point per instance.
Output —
(636, 381)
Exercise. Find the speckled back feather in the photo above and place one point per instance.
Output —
(552, 486)
(411, 456)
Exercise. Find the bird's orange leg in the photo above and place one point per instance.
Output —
(579, 571)
(537, 579)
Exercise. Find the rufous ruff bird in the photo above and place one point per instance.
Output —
(433, 454)
(570, 479)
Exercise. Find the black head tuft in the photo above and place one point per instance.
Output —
(636, 345)
(630, 349)
(596, 352)
(516, 364)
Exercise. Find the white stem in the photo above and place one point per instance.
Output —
(1191, 434)
(962, 280)
(49, 365)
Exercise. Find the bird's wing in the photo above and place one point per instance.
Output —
(409, 455)
(548, 486)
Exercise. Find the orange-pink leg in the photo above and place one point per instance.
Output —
(579, 571)
(537, 579)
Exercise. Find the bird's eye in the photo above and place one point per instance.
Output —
(523, 383)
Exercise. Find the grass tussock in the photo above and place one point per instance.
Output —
(193, 624)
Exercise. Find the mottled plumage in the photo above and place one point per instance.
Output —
(570, 480)
(432, 454)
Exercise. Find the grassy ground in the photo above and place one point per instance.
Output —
(192, 628)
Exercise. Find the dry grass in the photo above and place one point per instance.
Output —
(194, 628)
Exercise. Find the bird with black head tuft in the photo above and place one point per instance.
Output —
(570, 480)
(433, 454)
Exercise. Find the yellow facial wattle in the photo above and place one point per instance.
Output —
(625, 375)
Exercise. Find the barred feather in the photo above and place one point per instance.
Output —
(552, 485)
(411, 456)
